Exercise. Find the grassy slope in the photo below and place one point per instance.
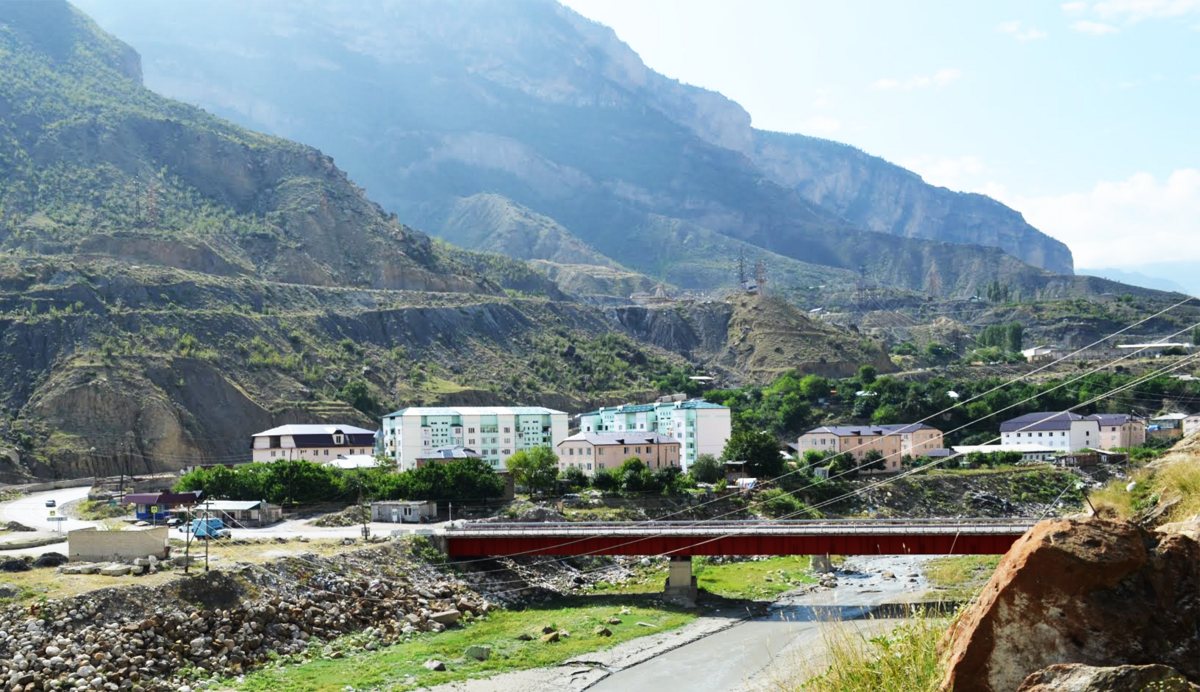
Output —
(758, 580)
(1167, 488)
(399, 668)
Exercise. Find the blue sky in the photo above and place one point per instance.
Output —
(1084, 116)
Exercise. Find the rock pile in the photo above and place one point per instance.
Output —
(140, 639)
(1094, 592)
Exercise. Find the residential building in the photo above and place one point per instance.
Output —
(1120, 430)
(404, 511)
(1191, 425)
(858, 441)
(1167, 426)
(1029, 452)
(916, 439)
(495, 432)
(698, 426)
(592, 451)
(1041, 354)
(241, 513)
(318, 443)
(447, 454)
(1065, 432)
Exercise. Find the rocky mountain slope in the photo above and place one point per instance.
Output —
(431, 104)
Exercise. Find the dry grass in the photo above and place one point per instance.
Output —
(1173, 479)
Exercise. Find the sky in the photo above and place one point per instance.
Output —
(1084, 115)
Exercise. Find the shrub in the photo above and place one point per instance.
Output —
(706, 469)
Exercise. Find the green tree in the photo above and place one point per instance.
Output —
(758, 449)
(706, 469)
(535, 468)
(885, 415)
(574, 477)
(867, 375)
(607, 480)
(815, 387)
(874, 460)
(358, 394)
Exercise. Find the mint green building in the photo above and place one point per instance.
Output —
(495, 432)
(698, 426)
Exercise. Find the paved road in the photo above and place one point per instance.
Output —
(31, 510)
(757, 653)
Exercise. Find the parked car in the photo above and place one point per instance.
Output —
(206, 528)
(51, 503)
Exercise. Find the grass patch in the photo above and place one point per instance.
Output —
(89, 510)
(1174, 479)
(905, 660)
(961, 577)
(757, 579)
(603, 514)
(399, 667)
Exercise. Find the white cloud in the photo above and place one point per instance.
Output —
(940, 78)
(1137, 10)
(820, 123)
(823, 101)
(1094, 28)
(946, 171)
(1137, 221)
(1074, 7)
(1020, 32)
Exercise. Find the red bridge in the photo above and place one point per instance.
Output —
(685, 539)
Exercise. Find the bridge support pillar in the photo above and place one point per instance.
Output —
(681, 585)
(821, 564)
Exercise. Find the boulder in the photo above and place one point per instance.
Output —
(478, 652)
(551, 637)
(1076, 677)
(446, 617)
(1090, 591)
(13, 564)
(115, 570)
(602, 631)
(433, 664)
(50, 559)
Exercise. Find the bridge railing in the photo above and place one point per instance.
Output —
(809, 527)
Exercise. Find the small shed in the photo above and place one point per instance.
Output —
(242, 513)
(735, 470)
(404, 511)
(157, 506)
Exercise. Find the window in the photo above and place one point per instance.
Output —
(471, 441)
(338, 439)
(272, 452)
(327, 452)
(589, 451)
(507, 430)
(626, 450)
(471, 430)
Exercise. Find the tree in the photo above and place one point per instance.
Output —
(574, 477)
(535, 468)
(874, 461)
(815, 387)
(814, 457)
(358, 394)
(885, 415)
(706, 469)
(607, 480)
(842, 464)
(758, 449)
(867, 375)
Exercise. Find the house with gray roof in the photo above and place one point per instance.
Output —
(320, 443)
(700, 427)
(592, 451)
(1061, 431)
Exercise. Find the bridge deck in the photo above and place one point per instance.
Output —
(847, 537)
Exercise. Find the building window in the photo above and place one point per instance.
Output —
(272, 452)
(507, 430)
(626, 450)
(589, 451)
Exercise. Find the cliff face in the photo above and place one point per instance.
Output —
(531, 128)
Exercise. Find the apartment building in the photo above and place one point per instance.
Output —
(318, 443)
(699, 426)
(1066, 432)
(495, 432)
(916, 439)
(1120, 430)
(592, 451)
(858, 441)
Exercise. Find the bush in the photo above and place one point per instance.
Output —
(574, 478)
(607, 480)
(535, 468)
(706, 469)
(777, 504)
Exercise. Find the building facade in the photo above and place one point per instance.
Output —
(857, 441)
(1167, 426)
(318, 443)
(1064, 432)
(1191, 425)
(698, 426)
(495, 432)
(1120, 430)
(591, 451)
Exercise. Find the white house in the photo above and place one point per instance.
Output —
(1067, 432)
(495, 432)
(320, 443)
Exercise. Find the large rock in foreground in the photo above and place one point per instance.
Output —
(1095, 592)
(1076, 677)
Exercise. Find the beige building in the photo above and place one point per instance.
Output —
(860, 440)
(593, 451)
(319, 443)
(916, 439)
(1120, 430)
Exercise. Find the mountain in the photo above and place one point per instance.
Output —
(443, 108)
(171, 282)
(1161, 281)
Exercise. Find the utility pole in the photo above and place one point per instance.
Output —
(362, 510)
(187, 542)
(207, 531)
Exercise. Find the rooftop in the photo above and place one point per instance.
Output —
(455, 452)
(644, 408)
(313, 430)
(869, 430)
(474, 411)
(1042, 421)
(621, 438)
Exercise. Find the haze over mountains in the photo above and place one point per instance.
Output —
(492, 123)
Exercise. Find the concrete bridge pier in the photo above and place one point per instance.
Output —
(681, 585)
(821, 564)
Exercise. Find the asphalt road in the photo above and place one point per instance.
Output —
(31, 510)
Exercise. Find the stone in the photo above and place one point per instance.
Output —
(602, 631)
(115, 570)
(446, 617)
(1076, 677)
(1090, 591)
(613, 621)
(524, 638)
(478, 652)
(434, 664)
(550, 637)
(13, 564)
(51, 559)
(548, 629)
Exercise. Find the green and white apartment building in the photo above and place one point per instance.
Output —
(698, 426)
(495, 432)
